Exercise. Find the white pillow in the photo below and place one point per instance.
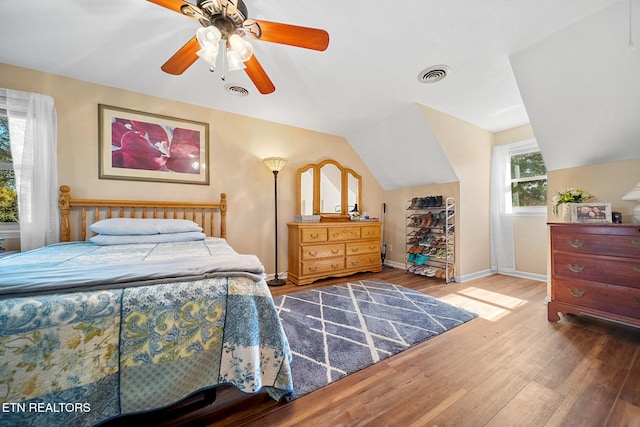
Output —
(131, 226)
(106, 239)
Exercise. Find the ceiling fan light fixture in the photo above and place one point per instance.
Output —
(234, 61)
(242, 48)
(209, 40)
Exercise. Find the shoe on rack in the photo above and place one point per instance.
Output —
(430, 219)
(411, 257)
(414, 204)
(439, 201)
(421, 259)
(429, 272)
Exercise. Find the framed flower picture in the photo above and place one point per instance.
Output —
(591, 212)
(139, 146)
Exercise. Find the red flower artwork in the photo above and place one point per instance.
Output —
(140, 145)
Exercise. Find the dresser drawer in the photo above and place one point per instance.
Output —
(322, 251)
(370, 232)
(597, 244)
(357, 248)
(618, 271)
(326, 265)
(609, 298)
(315, 234)
(337, 234)
(363, 261)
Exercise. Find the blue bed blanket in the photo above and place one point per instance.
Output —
(79, 358)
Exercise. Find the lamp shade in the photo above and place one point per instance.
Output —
(633, 194)
(275, 164)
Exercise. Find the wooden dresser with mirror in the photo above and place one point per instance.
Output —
(335, 246)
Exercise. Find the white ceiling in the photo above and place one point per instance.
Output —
(369, 73)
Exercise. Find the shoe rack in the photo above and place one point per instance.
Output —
(430, 229)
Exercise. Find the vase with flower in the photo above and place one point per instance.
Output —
(563, 200)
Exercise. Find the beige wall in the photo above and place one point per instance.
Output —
(237, 145)
(468, 149)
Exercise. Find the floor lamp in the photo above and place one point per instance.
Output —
(275, 164)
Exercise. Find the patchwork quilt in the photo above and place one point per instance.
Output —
(82, 357)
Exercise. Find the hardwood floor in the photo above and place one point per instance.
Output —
(509, 367)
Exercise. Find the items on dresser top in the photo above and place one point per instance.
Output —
(332, 249)
(595, 270)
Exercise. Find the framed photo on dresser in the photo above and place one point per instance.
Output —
(591, 212)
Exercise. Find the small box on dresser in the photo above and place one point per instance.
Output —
(595, 270)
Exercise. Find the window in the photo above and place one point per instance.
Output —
(528, 179)
(8, 194)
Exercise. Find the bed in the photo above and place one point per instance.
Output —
(93, 329)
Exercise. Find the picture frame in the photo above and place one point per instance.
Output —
(139, 146)
(595, 212)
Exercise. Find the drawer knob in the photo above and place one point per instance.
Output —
(315, 236)
(313, 253)
(313, 268)
(636, 269)
(354, 249)
(335, 251)
(576, 268)
(636, 243)
(334, 266)
(576, 292)
(576, 243)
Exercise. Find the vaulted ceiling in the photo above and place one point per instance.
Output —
(565, 66)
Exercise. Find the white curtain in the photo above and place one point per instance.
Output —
(501, 217)
(33, 132)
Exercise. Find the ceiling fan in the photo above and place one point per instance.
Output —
(225, 27)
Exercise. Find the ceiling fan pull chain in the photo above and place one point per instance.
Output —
(223, 50)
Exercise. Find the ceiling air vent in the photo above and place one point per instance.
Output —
(433, 74)
(236, 90)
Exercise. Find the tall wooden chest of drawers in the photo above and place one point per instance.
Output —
(595, 269)
(319, 250)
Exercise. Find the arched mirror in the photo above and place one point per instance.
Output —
(328, 189)
(305, 205)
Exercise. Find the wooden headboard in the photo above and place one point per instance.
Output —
(93, 210)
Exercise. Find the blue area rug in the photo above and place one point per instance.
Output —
(337, 330)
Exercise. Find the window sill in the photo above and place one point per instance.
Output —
(542, 211)
(10, 230)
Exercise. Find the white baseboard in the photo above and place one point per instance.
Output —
(525, 275)
(282, 275)
(477, 274)
(394, 264)
(473, 276)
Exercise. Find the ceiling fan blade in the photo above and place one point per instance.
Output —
(258, 76)
(179, 6)
(292, 35)
(183, 58)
